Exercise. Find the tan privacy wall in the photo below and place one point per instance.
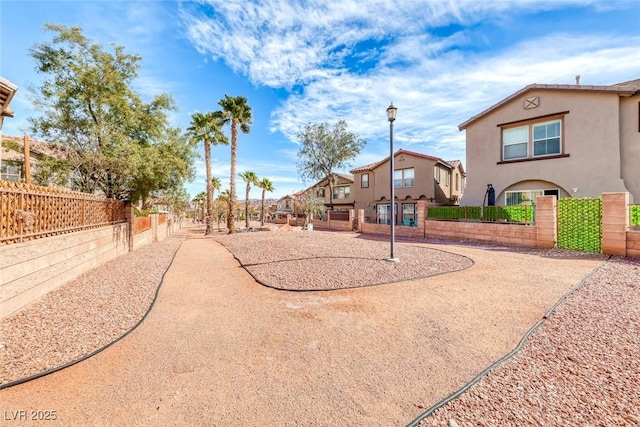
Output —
(29, 270)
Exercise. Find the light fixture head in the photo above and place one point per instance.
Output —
(391, 112)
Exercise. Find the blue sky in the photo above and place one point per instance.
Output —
(440, 62)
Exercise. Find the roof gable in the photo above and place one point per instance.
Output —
(622, 89)
(373, 166)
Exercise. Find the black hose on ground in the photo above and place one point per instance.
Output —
(495, 364)
(85, 357)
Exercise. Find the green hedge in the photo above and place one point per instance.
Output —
(579, 224)
(516, 214)
(635, 215)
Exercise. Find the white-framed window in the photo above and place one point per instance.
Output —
(383, 213)
(320, 193)
(447, 177)
(364, 180)
(409, 214)
(341, 193)
(403, 178)
(546, 138)
(436, 174)
(532, 140)
(515, 143)
(527, 197)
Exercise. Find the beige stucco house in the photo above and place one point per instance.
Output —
(551, 139)
(417, 176)
(342, 192)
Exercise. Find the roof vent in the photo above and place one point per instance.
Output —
(578, 80)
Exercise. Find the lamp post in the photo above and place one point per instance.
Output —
(391, 116)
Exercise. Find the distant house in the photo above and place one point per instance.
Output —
(342, 191)
(13, 167)
(286, 205)
(551, 139)
(416, 177)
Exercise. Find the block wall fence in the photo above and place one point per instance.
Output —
(33, 268)
(617, 238)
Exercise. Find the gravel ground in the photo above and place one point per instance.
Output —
(580, 367)
(83, 315)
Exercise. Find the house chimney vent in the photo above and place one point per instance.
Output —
(578, 80)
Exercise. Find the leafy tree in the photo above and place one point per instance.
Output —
(266, 185)
(207, 128)
(310, 206)
(324, 149)
(249, 178)
(88, 104)
(237, 112)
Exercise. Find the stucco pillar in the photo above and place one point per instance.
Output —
(546, 221)
(360, 219)
(421, 216)
(615, 223)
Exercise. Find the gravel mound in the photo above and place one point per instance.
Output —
(580, 367)
(306, 261)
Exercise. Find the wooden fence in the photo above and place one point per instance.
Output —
(30, 211)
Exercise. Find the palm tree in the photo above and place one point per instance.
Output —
(265, 185)
(215, 184)
(236, 111)
(199, 200)
(225, 197)
(250, 178)
(207, 128)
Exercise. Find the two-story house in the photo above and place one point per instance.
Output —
(286, 205)
(338, 195)
(551, 139)
(416, 177)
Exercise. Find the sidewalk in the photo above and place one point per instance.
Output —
(220, 349)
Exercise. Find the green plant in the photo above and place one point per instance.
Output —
(579, 224)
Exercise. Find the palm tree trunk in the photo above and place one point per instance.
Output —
(207, 159)
(246, 208)
(262, 210)
(232, 180)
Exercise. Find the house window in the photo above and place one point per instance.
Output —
(364, 180)
(436, 174)
(546, 138)
(383, 213)
(403, 178)
(457, 182)
(341, 193)
(409, 214)
(535, 140)
(320, 193)
(11, 171)
(515, 142)
(447, 180)
(527, 197)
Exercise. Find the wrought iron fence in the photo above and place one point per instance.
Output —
(30, 212)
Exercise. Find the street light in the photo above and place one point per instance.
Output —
(391, 116)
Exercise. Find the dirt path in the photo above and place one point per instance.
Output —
(219, 349)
